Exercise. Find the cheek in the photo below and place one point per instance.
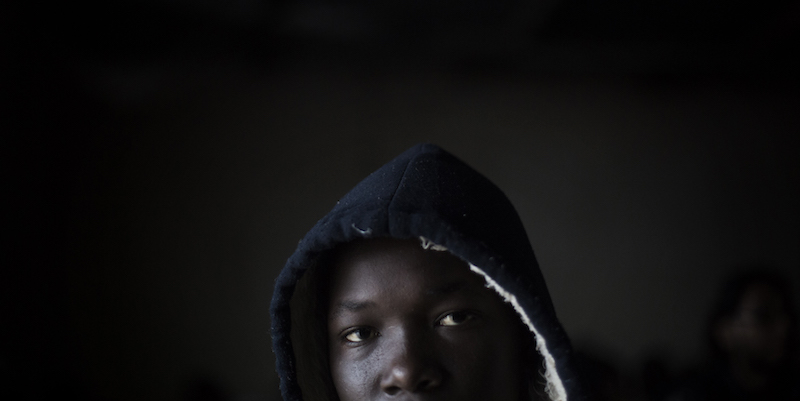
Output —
(351, 377)
(486, 364)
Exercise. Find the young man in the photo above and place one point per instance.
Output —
(420, 284)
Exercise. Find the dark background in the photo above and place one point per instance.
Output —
(162, 159)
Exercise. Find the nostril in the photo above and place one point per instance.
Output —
(392, 390)
(425, 384)
(411, 372)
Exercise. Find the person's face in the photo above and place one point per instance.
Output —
(760, 328)
(407, 323)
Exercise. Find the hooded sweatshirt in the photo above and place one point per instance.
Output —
(427, 194)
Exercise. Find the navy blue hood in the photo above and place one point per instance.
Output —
(429, 194)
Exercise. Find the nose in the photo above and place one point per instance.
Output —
(411, 367)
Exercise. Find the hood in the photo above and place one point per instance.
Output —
(429, 194)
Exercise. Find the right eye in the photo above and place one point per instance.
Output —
(359, 334)
(456, 318)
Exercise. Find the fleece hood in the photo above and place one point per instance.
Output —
(428, 194)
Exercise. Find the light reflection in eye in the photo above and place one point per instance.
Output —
(455, 319)
(359, 335)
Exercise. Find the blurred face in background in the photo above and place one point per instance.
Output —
(757, 333)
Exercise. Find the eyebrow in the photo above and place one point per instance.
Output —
(351, 306)
(447, 288)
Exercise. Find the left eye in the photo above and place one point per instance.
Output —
(359, 335)
(455, 318)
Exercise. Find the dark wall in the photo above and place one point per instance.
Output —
(156, 189)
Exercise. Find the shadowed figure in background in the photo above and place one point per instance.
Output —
(752, 337)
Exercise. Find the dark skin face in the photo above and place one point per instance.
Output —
(413, 324)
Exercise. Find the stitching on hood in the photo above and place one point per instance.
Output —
(399, 183)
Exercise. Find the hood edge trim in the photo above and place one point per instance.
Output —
(555, 387)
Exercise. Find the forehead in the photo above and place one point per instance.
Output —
(371, 266)
(761, 295)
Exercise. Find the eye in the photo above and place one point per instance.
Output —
(359, 334)
(456, 318)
